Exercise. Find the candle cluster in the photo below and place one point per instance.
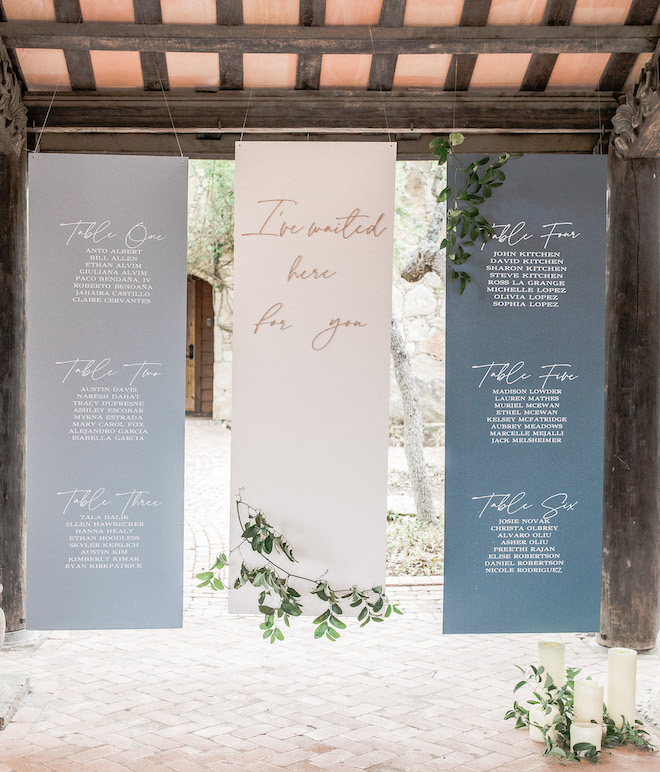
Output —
(569, 715)
(588, 707)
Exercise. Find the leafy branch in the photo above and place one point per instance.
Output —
(558, 702)
(278, 600)
(466, 226)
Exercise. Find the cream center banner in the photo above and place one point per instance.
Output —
(312, 311)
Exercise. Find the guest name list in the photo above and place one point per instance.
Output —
(105, 402)
(525, 406)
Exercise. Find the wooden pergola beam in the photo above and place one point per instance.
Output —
(620, 66)
(474, 14)
(230, 13)
(558, 13)
(424, 109)
(308, 69)
(153, 63)
(383, 66)
(236, 40)
(410, 145)
(78, 63)
(13, 243)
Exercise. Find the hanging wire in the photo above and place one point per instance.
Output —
(160, 81)
(380, 88)
(601, 128)
(52, 99)
(247, 109)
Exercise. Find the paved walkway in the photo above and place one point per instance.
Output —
(214, 696)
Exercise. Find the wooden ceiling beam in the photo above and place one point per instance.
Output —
(312, 13)
(78, 62)
(474, 14)
(236, 40)
(558, 13)
(11, 53)
(383, 66)
(392, 13)
(642, 11)
(619, 67)
(308, 69)
(230, 13)
(153, 63)
(425, 109)
(221, 146)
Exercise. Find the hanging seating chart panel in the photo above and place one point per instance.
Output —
(524, 406)
(106, 318)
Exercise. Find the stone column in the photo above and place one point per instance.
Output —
(13, 244)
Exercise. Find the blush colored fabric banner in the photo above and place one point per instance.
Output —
(106, 318)
(312, 316)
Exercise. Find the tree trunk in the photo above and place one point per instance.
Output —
(412, 425)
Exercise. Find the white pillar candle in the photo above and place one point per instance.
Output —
(537, 716)
(621, 685)
(552, 657)
(586, 733)
(588, 705)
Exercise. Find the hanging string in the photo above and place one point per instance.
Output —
(601, 128)
(380, 88)
(52, 99)
(38, 143)
(247, 109)
(160, 81)
(167, 104)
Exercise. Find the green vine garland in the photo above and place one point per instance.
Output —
(465, 223)
(278, 599)
(548, 696)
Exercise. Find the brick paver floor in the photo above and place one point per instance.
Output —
(214, 696)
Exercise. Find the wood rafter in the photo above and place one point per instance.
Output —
(154, 66)
(474, 14)
(620, 66)
(383, 66)
(308, 72)
(230, 13)
(558, 13)
(11, 53)
(78, 62)
(426, 109)
(236, 40)
(409, 146)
